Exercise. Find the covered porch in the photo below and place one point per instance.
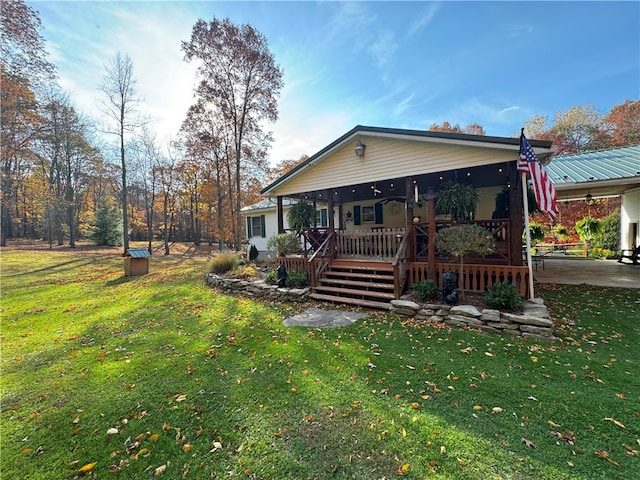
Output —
(382, 218)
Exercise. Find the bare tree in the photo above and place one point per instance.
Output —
(121, 108)
(240, 79)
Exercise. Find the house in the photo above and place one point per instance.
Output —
(261, 220)
(381, 185)
(603, 173)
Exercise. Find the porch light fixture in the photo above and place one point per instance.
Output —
(588, 197)
(360, 149)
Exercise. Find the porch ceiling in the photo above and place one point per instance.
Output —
(483, 176)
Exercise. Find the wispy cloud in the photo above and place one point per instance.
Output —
(383, 48)
(424, 19)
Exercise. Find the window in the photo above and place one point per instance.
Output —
(321, 217)
(368, 214)
(256, 227)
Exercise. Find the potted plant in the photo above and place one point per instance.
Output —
(301, 215)
(457, 199)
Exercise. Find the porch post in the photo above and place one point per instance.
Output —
(431, 247)
(280, 214)
(330, 222)
(409, 194)
(516, 208)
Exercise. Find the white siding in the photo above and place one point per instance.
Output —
(389, 158)
(629, 215)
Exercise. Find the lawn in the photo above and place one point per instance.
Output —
(118, 377)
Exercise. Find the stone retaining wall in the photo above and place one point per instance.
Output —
(257, 288)
(535, 321)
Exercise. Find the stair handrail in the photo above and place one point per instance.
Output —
(325, 255)
(400, 266)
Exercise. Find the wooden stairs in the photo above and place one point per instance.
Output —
(357, 282)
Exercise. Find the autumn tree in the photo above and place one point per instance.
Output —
(120, 106)
(472, 128)
(285, 166)
(240, 81)
(24, 69)
(621, 126)
(65, 156)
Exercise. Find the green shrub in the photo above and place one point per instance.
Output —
(561, 232)
(271, 277)
(608, 238)
(425, 289)
(503, 295)
(253, 253)
(223, 262)
(536, 232)
(297, 277)
(284, 244)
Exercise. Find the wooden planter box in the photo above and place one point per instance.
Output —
(136, 262)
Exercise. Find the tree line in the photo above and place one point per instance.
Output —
(65, 176)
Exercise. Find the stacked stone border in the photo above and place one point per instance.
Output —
(534, 322)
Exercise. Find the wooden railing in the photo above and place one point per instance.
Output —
(400, 266)
(476, 278)
(321, 258)
(380, 244)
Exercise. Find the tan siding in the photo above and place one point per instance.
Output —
(389, 158)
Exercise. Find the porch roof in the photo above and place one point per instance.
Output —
(600, 173)
(417, 159)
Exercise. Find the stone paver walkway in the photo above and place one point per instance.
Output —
(317, 318)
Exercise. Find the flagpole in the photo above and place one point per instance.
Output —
(525, 202)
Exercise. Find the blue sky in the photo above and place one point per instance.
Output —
(386, 64)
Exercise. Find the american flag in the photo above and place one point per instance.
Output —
(542, 186)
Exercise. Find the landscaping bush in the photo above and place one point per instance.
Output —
(223, 262)
(297, 278)
(245, 272)
(271, 277)
(425, 289)
(503, 295)
(608, 238)
(253, 253)
(284, 244)
(536, 232)
(560, 232)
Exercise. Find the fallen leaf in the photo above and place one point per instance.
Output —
(160, 470)
(609, 419)
(443, 450)
(186, 447)
(553, 424)
(630, 451)
(87, 468)
(496, 410)
(181, 398)
(112, 431)
(528, 443)
(415, 405)
(404, 468)
(477, 407)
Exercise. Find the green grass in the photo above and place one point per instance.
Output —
(204, 385)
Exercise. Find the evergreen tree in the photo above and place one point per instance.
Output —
(107, 225)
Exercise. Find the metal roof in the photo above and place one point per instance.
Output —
(138, 253)
(267, 204)
(613, 163)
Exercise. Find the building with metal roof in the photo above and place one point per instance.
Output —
(603, 173)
